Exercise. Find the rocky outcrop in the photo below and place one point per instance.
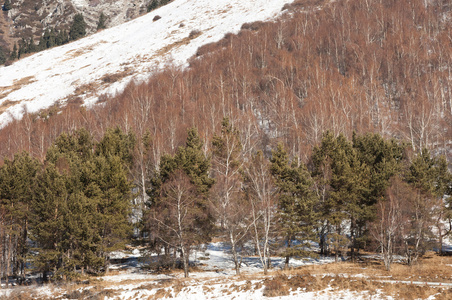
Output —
(31, 17)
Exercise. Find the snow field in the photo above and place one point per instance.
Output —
(134, 50)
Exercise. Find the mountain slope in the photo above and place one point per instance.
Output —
(28, 17)
(105, 62)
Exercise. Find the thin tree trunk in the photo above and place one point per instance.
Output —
(185, 261)
(234, 254)
(286, 263)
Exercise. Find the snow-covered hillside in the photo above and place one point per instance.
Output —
(106, 61)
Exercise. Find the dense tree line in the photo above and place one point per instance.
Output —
(154, 4)
(51, 38)
(65, 215)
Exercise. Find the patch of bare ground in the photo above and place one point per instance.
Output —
(6, 104)
(114, 77)
(17, 85)
(84, 89)
(193, 34)
(79, 51)
(92, 88)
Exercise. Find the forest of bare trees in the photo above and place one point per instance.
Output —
(356, 93)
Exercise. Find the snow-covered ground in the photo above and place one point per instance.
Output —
(214, 278)
(132, 50)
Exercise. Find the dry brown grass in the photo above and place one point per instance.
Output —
(276, 286)
(431, 268)
(282, 284)
(7, 104)
(111, 78)
(17, 84)
(79, 51)
(193, 34)
(368, 275)
(365, 278)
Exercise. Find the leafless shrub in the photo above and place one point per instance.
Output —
(111, 78)
(276, 287)
(252, 26)
(194, 34)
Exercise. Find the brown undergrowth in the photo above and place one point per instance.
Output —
(368, 278)
(431, 268)
(334, 284)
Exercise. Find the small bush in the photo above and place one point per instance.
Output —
(252, 26)
(157, 17)
(276, 287)
(78, 295)
(194, 34)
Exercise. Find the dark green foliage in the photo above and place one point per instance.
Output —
(113, 158)
(2, 56)
(102, 22)
(152, 5)
(31, 47)
(181, 187)
(342, 181)
(75, 206)
(18, 179)
(22, 48)
(297, 201)
(384, 159)
(83, 202)
(13, 55)
(48, 39)
(78, 28)
(7, 5)
(432, 182)
(352, 177)
(62, 37)
(429, 175)
(48, 222)
(191, 160)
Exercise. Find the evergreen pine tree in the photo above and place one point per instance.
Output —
(48, 223)
(96, 197)
(2, 56)
(432, 182)
(13, 55)
(152, 5)
(102, 22)
(32, 47)
(343, 186)
(296, 203)
(181, 187)
(7, 5)
(61, 38)
(17, 187)
(22, 48)
(113, 159)
(78, 28)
